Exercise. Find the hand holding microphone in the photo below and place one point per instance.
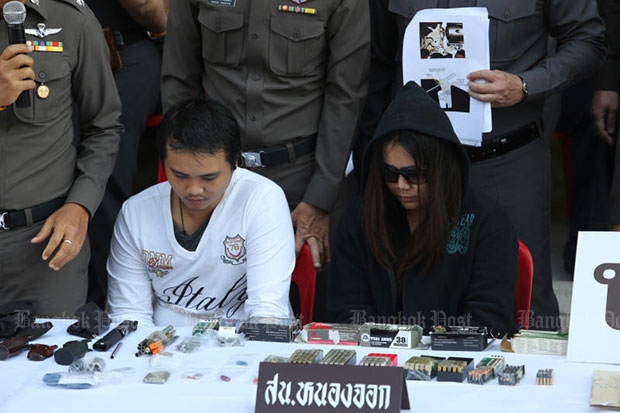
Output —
(16, 74)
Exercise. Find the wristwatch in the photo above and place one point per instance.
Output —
(523, 88)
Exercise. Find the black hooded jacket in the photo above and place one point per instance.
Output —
(474, 282)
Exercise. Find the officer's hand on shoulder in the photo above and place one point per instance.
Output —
(16, 74)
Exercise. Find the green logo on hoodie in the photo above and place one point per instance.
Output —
(459, 238)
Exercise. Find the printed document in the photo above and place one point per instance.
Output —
(440, 47)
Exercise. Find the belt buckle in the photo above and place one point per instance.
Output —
(3, 226)
(252, 159)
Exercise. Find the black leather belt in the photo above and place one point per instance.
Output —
(503, 144)
(279, 154)
(29, 216)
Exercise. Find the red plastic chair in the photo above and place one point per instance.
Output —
(153, 122)
(523, 291)
(304, 275)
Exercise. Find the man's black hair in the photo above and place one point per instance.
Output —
(200, 125)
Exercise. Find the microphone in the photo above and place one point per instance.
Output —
(14, 14)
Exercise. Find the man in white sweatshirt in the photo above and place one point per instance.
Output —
(213, 241)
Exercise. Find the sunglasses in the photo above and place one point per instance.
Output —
(412, 174)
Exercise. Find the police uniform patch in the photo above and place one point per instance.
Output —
(227, 3)
(296, 9)
(234, 250)
(43, 46)
(42, 31)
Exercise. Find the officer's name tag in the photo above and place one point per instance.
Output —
(228, 3)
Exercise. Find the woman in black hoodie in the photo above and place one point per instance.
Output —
(419, 247)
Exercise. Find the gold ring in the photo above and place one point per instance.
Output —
(68, 241)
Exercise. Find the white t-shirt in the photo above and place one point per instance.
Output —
(241, 268)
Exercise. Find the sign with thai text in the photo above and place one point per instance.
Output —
(283, 387)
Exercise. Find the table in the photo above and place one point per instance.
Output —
(22, 389)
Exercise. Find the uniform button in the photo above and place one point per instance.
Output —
(507, 13)
(252, 118)
(410, 11)
(41, 75)
(255, 36)
(218, 27)
(255, 77)
(296, 34)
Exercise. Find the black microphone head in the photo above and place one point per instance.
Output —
(14, 12)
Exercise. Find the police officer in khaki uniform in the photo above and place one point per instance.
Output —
(294, 73)
(48, 188)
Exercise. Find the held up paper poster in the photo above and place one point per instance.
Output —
(440, 47)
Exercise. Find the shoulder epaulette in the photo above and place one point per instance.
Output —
(78, 4)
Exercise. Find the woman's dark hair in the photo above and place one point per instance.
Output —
(439, 210)
(200, 125)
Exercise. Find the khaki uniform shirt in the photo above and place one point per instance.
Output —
(284, 75)
(38, 161)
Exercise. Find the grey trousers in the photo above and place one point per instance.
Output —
(293, 178)
(521, 181)
(24, 276)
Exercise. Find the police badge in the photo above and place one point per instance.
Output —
(41, 31)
